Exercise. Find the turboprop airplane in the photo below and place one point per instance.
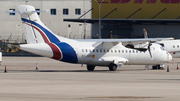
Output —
(92, 52)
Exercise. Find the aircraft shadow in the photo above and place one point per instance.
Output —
(95, 71)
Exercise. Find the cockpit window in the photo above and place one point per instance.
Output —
(162, 44)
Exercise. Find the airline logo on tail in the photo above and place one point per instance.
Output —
(38, 33)
(47, 35)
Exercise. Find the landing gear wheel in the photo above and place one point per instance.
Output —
(90, 67)
(112, 67)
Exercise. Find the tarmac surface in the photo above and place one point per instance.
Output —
(58, 81)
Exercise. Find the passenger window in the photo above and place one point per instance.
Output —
(96, 50)
(90, 50)
(82, 50)
(93, 50)
(100, 50)
(177, 46)
(173, 46)
(104, 50)
(122, 51)
(111, 51)
(115, 51)
(136, 51)
(86, 50)
(108, 50)
(126, 51)
(133, 51)
(119, 51)
(129, 51)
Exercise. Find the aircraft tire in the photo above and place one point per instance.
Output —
(90, 67)
(112, 67)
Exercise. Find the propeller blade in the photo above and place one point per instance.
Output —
(149, 49)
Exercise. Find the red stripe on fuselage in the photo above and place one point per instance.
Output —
(56, 51)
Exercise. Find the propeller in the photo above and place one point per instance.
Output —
(150, 43)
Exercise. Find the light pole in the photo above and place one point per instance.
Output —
(99, 4)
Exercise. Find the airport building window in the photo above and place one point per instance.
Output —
(65, 11)
(53, 11)
(12, 13)
(78, 11)
(38, 12)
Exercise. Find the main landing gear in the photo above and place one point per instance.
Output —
(112, 67)
(90, 67)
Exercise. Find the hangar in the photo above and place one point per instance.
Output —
(127, 18)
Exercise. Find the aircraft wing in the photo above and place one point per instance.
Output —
(136, 43)
(124, 40)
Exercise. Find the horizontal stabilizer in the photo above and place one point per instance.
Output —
(11, 11)
(37, 11)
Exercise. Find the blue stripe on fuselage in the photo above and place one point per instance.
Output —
(69, 54)
(49, 35)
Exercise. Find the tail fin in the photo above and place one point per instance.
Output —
(35, 30)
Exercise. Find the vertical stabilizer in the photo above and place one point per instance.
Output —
(35, 30)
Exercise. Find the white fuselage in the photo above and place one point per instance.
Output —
(102, 54)
(87, 54)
